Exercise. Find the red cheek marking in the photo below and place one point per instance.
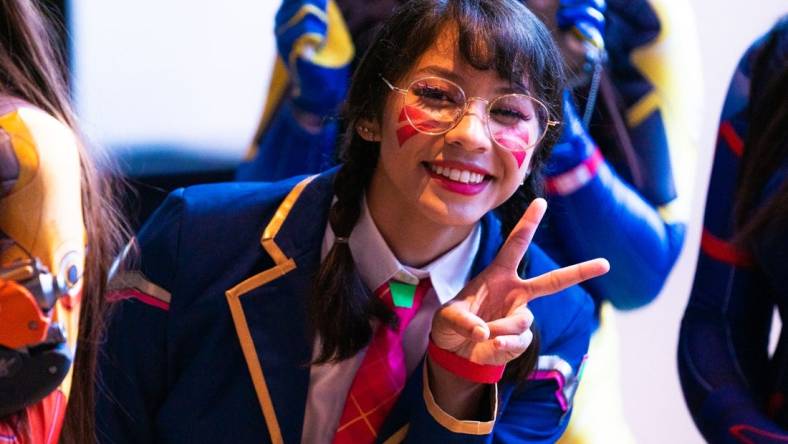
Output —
(421, 122)
(405, 132)
(519, 156)
(517, 142)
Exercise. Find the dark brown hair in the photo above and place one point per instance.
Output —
(32, 69)
(766, 142)
(499, 35)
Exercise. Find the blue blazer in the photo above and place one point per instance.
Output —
(209, 342)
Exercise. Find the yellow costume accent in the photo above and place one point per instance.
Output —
(671, 63)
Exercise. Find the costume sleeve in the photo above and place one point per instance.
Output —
(133, 360)
(723, 345)
(538, 410)
(286, 149)
(298, 129)
(594, 212)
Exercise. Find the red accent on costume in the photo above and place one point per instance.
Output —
(465, 368)
(738, 431)
(133, 293)
(723, 251)
(570, 181)
(45, 419)
(731, 138)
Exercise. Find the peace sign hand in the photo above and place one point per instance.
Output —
(489, 321)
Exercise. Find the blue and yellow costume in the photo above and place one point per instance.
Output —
(42, 256)
(210, 342)
(734, 389)
(622, 171)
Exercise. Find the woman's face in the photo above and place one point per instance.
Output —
(451, 179)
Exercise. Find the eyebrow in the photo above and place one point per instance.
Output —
(449, 74)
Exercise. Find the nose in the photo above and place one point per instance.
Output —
(471, 132)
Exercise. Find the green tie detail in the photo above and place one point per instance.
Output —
(402, 294)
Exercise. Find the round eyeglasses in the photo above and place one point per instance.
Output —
(434, 105)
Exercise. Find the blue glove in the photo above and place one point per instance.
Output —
(575, 144)
(585, 18)
(316, 47)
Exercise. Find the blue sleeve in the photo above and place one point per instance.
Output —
(593, 212)
(536, 410)
(723, 344)
(132, 363)
(286, 149)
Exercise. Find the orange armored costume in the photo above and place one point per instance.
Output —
(42, 256)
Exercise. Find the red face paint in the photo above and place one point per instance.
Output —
(517, 142)
(421, 121)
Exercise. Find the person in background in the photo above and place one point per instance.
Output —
(386, 299)
(610, 179)
(734, 386)
(58, 233)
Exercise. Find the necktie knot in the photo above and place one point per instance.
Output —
(403, 298)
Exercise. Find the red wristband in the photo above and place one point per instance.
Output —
(464, 368)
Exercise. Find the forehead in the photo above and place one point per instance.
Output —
(444, 58)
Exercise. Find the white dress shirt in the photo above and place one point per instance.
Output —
(376, 264)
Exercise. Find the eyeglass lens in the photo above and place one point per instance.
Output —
(514, 121)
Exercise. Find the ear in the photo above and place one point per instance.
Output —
(368, 129)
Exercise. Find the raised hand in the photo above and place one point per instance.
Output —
(489, 321)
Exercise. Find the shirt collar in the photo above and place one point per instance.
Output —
(376, 263)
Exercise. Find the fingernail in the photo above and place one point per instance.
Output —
(479, 333)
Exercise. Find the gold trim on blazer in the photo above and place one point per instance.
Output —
(453, 424)
(398, 436)
(283, 266)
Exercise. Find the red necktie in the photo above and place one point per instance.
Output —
(382, 374)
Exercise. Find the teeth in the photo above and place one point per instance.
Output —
(456, 175)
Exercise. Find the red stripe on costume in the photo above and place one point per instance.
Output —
(738, 431)
(45, 418)
(723, 251)
(133, 293)
(731, 138)
(574, 179)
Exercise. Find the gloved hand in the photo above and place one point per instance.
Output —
(585, 18)
(582, 26)
(314, 43)
(575, 144)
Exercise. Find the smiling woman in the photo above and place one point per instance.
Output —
(413, 247)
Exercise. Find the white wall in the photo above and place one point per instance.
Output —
(194, 72)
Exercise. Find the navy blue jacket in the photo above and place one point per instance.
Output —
(213, 344)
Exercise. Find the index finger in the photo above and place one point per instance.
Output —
(563, 278)
(519, 239)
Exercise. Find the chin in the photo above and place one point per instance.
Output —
(452, 214)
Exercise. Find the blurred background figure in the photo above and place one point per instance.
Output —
(734, 385)
(57, 230)
(610, 181)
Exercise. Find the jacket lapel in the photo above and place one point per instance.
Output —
(268, 308)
